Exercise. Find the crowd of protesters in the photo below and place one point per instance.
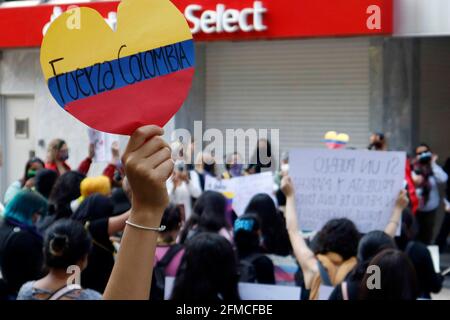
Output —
(58, 224)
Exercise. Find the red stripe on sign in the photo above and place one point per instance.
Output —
(152, 101)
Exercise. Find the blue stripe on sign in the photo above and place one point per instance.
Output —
(126, 70)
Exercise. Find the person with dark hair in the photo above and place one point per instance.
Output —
(58, 154)
(205, 165)
(427, 175)
(96, 214)
(377, 142)
(428, 280)
(233, 166)
(369, 246)
(261, 158)
(65, 190)
(20, 243)
(275, 238)
(168, 252)
(254, 266)
(209, 215)
(397, 279)
(335, 248)
(184, 186)
(44, 181)
(120, 200)
(208, 270)
(26, 181)
(66, 245)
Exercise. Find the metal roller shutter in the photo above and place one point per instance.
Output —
(302, 87)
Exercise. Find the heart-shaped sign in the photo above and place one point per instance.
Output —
(117, 81)
(333, 140)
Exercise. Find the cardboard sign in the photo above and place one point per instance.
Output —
(325, 292)
(103, 143)
(359, 185)
(251, 291)
(117, 81)
(435, 257)
(242, 188)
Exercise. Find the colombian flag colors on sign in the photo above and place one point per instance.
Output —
(117, 81)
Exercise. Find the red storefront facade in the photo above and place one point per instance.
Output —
(303, 66)
(227, 20)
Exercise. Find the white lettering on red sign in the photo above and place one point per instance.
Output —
(226, 20)
(374, 20)
(207, 21)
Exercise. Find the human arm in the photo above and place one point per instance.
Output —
(400, 204)
(439, 173)
(302, 252)
(148, 165)
(110, 169)
(85, 165)
(117, 223)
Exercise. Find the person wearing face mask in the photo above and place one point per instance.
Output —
(27, 180)
(427, 175)
(58, 154)
(234, 167)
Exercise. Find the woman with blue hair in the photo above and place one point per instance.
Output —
(254, 266)
(21, 256)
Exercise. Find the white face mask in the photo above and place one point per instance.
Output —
(285, 167)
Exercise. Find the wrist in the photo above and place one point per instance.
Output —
(146, 217)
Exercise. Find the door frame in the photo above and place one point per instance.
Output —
(3, 141)
(3, 146)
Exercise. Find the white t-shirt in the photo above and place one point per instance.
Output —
(183, 193)
(439, 176)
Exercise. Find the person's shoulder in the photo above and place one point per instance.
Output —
(26, 291)
(89, 294)
(419, 246)
(16, 184)
(418, 250)
(260, 258)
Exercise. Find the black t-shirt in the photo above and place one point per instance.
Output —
(352, 291)
(21, 257)
(428, 280)
(264, 269)
(101, 257)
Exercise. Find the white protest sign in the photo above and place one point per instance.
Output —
(102, 143)
(325, 292)
(251, 291)
(434, 252)
(255, 291)
(168, 287)
(243, 188)
(359, 185)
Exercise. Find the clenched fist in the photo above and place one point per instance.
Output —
(148, 164)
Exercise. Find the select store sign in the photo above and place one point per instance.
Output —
(225, 19)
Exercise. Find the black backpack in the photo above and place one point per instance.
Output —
(247, 271)
(159, 273)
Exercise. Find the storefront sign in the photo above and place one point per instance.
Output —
(226, 20)
(212, 20)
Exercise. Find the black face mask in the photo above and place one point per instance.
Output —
(210, 168)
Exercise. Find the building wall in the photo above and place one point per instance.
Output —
(434, 113)
(20, 74)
